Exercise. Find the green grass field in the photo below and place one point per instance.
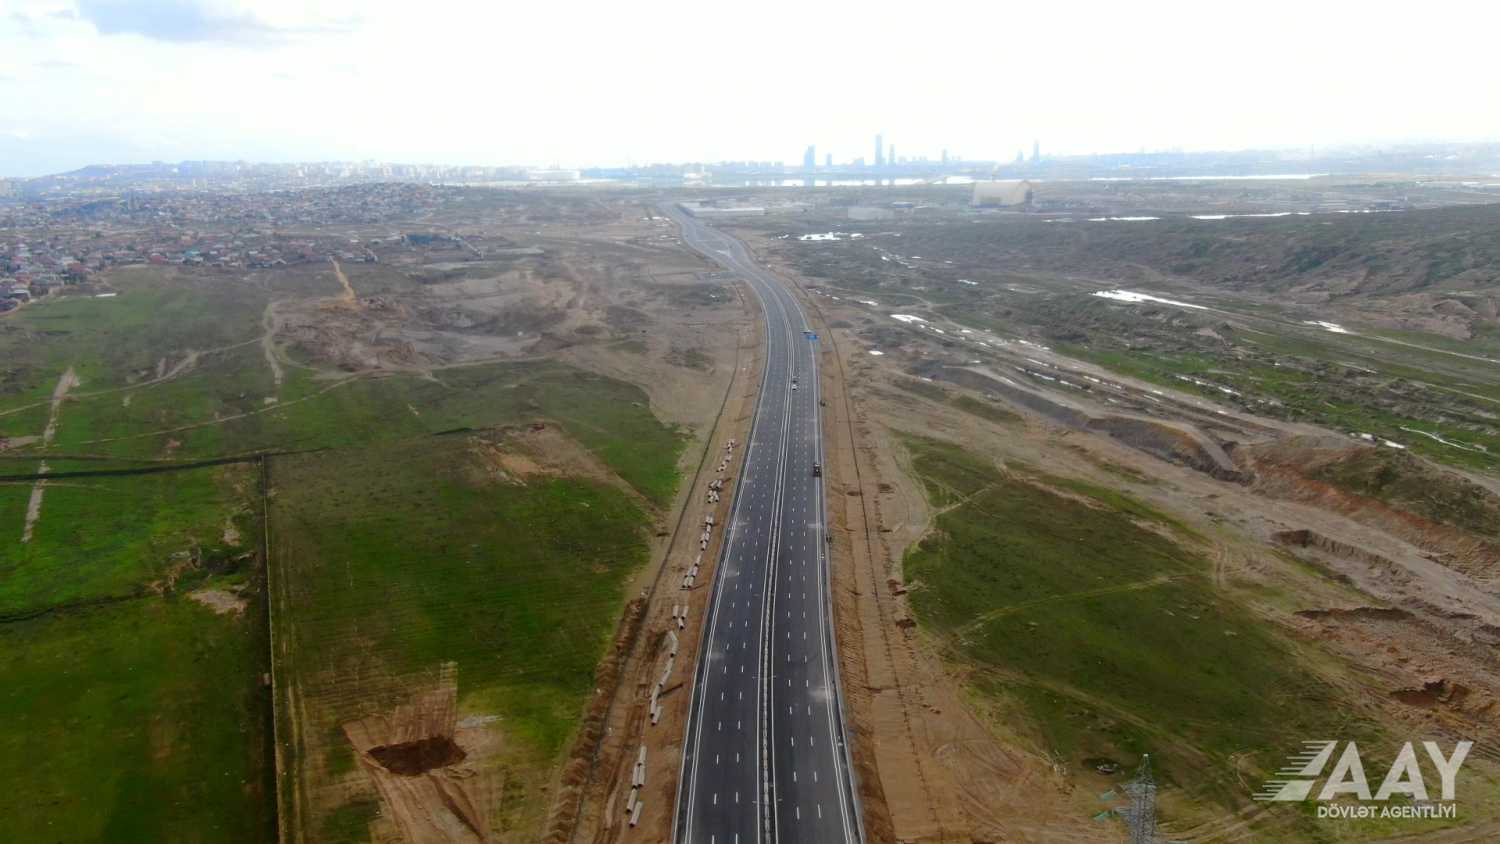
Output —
(136, 721)
(133, 713)
(130, 712)
(1107, 638)
(397, 558)
(119, 341)
(110, 537)
(219, 410)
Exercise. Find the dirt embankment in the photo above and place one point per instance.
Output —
(577, 774)
(1304, 538)
(1182, 443)
(1291, 470)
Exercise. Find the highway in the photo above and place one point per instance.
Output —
(764, 755)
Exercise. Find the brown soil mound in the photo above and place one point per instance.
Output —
(1183, 444)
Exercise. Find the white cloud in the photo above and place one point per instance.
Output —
(574, 83)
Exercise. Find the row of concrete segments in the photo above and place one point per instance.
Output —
(666, 672)
(679, 615)
(715, 487)
(634, 802)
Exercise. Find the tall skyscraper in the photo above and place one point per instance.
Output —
(810, 158)
(828, 159)
(945, 156)
(879, 150)
(892, 159)
(1036, 150)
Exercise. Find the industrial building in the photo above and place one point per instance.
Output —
(1004, 194)
(712, 208)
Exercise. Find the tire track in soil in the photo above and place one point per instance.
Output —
(66, 382)
(270, 323)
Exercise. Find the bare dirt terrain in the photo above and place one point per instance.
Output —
(930, 768)
(1336, 485)
(1403, 604)
(665, 615)
(605, 288)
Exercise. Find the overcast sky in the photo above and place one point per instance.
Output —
(541, 83)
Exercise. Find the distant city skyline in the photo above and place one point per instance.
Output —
(1484, 154)
(110, 81)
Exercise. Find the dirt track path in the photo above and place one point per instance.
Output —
(1000, 612)
(348, 294)
(270, 322)
(184, 366)
(223, 419)
(68, 381)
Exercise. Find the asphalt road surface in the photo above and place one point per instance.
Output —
(764, 756)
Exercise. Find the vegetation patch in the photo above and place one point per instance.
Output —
(402, 553)
(158, 317)
(108, 537)
(141, 720)
(1107, 637)
(1405, 482)
(985, 410)
(222, 411)
(398, 559)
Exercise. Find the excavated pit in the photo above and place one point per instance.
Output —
(414, 758)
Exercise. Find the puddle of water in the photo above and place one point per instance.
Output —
(1268, 176)
(1268, 214)
(1328, 326)
(831, 236)
(1135, 298)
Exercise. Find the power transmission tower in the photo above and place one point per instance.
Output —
(1140, 817)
